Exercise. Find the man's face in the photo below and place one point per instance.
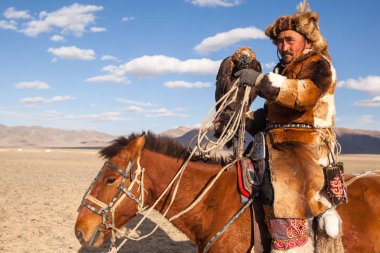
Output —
(290, 45)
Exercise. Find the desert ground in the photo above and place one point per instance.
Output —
(40, 190)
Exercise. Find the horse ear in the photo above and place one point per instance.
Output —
(134, 148)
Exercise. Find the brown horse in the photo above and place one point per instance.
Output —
(161, 157)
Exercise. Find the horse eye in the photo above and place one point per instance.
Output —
(110, 180)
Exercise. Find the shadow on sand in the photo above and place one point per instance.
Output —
(158, 242)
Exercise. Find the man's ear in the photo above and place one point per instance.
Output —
(309, 44)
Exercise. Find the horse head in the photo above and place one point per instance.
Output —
(115, 188)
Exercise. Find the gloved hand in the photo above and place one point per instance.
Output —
(247, 76)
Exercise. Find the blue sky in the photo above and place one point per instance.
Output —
(123, 66)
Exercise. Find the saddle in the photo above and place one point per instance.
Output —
(251, 168)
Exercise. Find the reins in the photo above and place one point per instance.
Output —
(362, 174)
(236, 121)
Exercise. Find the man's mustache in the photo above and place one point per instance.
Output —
(287, 53)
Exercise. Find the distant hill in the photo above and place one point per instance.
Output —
(353, 141)
(176, 132)
(356, 141)
(36, 136)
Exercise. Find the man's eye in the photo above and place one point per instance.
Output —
(110, 180)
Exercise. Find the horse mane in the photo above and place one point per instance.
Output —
(157, 143)
(154, 142)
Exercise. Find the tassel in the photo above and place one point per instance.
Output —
(304, 6)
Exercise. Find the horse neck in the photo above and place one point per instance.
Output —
(160, 170)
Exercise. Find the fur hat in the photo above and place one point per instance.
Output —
(304, 21)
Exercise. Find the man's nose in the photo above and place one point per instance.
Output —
(285, 46)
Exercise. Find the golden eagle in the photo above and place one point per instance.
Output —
(243, 58)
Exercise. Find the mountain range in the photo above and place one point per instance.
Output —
(36, 136)
(353, 141)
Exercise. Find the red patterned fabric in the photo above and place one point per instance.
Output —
(336, 187)
(286, 233)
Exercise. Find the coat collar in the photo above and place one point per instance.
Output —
(280, 68)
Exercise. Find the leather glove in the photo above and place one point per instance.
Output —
(247, 76)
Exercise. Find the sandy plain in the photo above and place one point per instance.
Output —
(40, 190)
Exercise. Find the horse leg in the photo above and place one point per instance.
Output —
(261, 236)
(237, 238)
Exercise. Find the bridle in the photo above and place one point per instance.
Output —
(106, 211)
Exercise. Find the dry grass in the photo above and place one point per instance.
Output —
(39, 196)
(40, 192)
(358, 163)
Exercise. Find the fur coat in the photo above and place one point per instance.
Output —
(300, 92)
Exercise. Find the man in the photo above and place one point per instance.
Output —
(299, 114)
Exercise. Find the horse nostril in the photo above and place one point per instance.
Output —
(79, 235)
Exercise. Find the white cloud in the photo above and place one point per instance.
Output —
(370, 84)
(101, 117)
(38, 85)
(57, 38)
(73, 19)
(41, 100)
(126, 19)
(95, 29)
(133, 108)
(115, 75)
(73, 53)
(269, 65)
(225, 39)
(132, 102)
(107, 79)
(163, 112)
(12, 13)
(146, 66)
(161, 64)
(8, 25)
(215, 3)
(184, 84)
(374, 102)
(108, 57)
(366, 119)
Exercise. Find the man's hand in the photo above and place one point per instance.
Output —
(247, 76)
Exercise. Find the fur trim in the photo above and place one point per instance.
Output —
(326, 244)
(304, 22)
(269, 85)
(330, 222)
(276, 80)
(323, 161)
(322, 199)
(326, 109)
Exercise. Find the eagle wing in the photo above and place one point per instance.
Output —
(224, 78)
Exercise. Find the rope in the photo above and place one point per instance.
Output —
(134, 230)
(200, 197)
(232, 125)
(228, 133)
(363, 174)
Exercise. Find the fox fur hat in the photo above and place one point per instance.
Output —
(305, 22)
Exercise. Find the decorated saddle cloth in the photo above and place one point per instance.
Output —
(295, 163)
